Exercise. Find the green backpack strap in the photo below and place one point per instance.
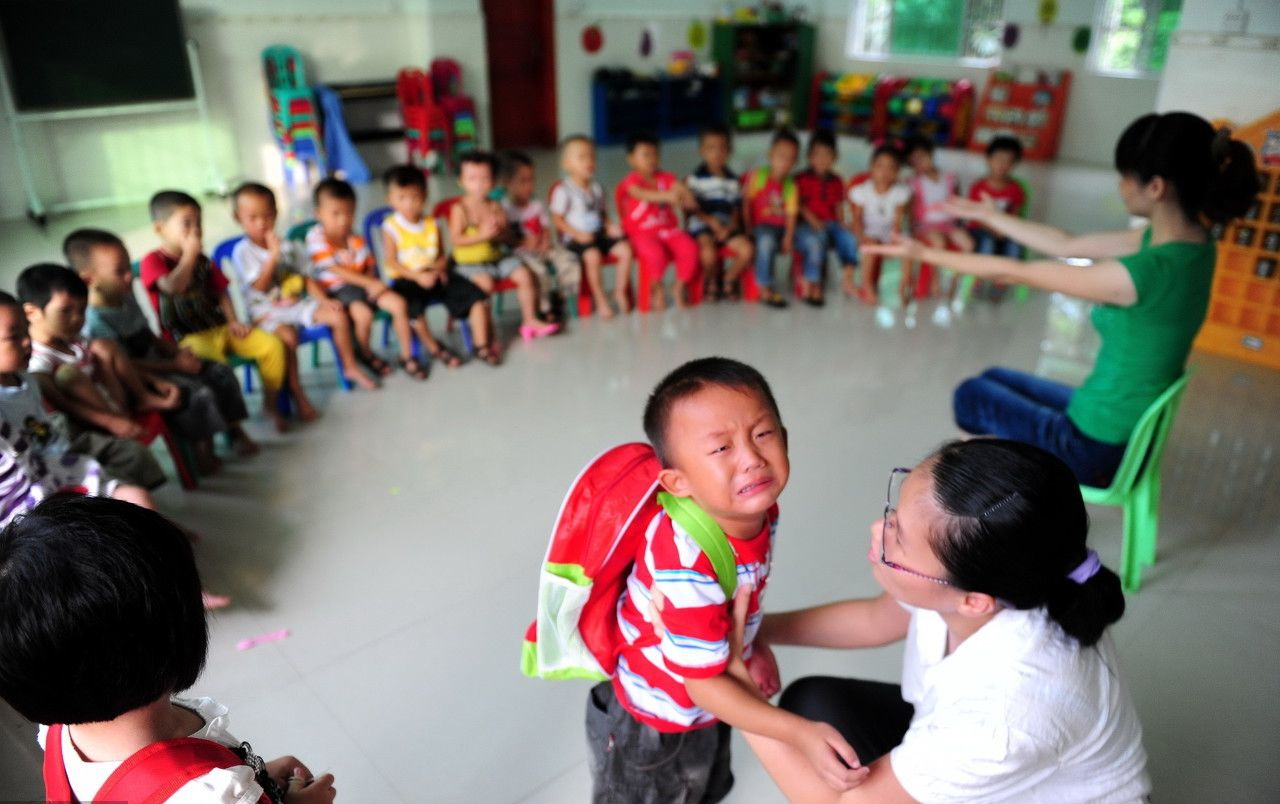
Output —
(709, 536)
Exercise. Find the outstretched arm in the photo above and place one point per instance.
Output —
(1044, 238)
(864, 623)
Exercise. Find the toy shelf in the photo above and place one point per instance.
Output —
(667, 106)
(1026, 103)
(880, 106)
(766, 68)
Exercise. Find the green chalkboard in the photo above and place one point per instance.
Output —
(77, 54)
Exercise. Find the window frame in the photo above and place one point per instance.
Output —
(855, 39)
(1103, 11)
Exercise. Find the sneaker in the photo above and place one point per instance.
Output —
(942, 316)
(884, 318)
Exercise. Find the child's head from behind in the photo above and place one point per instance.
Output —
(15, 343)
(919, 153)
(54, 298)
(101, 260)
(253, 206)
(886, 161)
(715, 146)
(406, 191)
(476, 174)
(175, 215)
(102, 611)
(1003, 153)
(642, 153)
(578, 156)
(822, 151)
(517, 177)
(717, 431)
(335, 203)
(784, 149)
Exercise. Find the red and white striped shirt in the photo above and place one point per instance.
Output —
(696, 616)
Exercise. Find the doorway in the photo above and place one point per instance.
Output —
(520, 43)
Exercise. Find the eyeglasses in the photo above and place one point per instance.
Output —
(896, 479)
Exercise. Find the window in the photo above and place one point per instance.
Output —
(1131, 37)
(964, 29)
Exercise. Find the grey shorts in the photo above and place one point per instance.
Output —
(632, 763)
(501, 269)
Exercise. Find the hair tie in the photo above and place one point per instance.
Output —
(1087, 568)
(1220, 148)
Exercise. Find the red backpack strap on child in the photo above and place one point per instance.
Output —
(150, 776)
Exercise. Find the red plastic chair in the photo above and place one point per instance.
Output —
(154, 426)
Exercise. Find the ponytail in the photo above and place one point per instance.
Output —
(1212, 175)
(1015, 529)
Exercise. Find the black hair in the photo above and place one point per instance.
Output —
(688, 380)
(1011, 144)
(822, 137)
(38, 283)
(572, 138)
(405, 176)
(1213, 175)
(333, 187)
(918, 143)
(638, 138)
(7, 300)
(102, 613)
(716, 130)
(512, 161)
(252, 188)
(479, 158)
(78, 245)
(1016, 527)
(166, 202)
(886, 149)
(785, 135)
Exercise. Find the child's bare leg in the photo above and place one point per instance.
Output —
(340, 324)
(622, 275)
(527, 293)
(593, 264)
(77, 385)
(207, 462)
(712, 269)
(398, 308)
(846, 281)
(482, 331)
(744, 253)
(289, 336)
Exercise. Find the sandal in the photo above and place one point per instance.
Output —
(773, 299)
(374, 363)
(488, 354)
(412, 368)
(444, 355)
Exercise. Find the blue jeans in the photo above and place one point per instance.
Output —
(768, 242)
(1021, 407)
(986, 241)
(813, 244)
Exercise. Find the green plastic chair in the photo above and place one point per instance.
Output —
(1136, 486)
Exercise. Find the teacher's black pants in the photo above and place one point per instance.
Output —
(870, 715)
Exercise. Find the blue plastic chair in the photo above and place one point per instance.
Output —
(314, 335)
(373, 237)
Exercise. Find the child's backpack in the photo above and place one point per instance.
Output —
(150, 776)
(597, 535)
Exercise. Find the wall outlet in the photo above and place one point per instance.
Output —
(1235, 21)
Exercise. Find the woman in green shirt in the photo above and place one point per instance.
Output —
(1151, 288)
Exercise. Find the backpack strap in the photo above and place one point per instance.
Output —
(149, 776)
(709, 536)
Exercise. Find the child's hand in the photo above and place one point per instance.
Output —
(583, 237)
(427, 278)
(191, 245)
(718, 230)
(830, 755)
(123, 427)
(186, 362)
(491, 227)
(763, 666)
(281, 768)
(375, 288)
(169, 394)
(302, 789)
(613, 230)
(273, 242)
(239, 329)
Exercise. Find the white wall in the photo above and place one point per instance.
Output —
(1216, 77)
(1098, 110)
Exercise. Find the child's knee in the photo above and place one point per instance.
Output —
(288, 336)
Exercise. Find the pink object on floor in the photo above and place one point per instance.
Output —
(252, 642)
(529, 331)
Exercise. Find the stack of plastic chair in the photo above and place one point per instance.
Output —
(294, 120)
(459, 109)
(426, 128)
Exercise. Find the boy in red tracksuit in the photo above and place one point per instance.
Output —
(647, 198)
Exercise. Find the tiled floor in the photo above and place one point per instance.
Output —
(399, 538)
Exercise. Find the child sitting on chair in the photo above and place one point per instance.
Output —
(189, 294)
(717, 222)
(477, 227)
(104, 628)
(878, 210)
(531, 227)
(268, 273)
(581, 216)
(213, 402)
(821, 223)
(771, 204)
(930, 223)
(343, 270)
(419, 268)
(648, 200)
(95, 385)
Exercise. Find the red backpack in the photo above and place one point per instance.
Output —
(150, 776)
(602, 523)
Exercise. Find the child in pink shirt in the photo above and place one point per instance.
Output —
(646, 201)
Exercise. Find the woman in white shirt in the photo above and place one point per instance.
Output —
(1009, 690)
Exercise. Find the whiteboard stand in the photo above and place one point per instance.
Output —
(37, 209)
